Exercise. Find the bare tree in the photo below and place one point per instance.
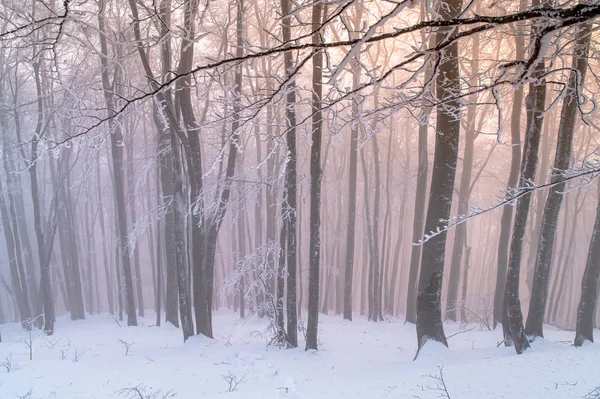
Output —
(316, 174)
(460, 234)
(512, 323)
(589, 288)
(508, 211)
(352, 177)
(116, 140)
(420, 199)
(447, 81)
(562, 160)
(289, 207)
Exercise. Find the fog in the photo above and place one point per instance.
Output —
(165, 158)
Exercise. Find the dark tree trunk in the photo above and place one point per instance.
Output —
(179, 211)
(464, 191)
(159, 262)
(588, 303)
(564, 152)
(316, 174)
(239, 247)
(377, 283)
(116, 141)
(130, 172)
(45, 241)
(165, 162)
(289, 205)
(183, 100)
(538, 198)
(419, 211)
(513, 317)
(507, 212)
(352, 176)
(213, 223)
(429, 303)
(280, 333)
(67, 239)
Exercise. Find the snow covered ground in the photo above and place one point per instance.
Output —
(86, 359)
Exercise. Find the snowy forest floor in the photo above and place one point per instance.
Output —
(360, 359)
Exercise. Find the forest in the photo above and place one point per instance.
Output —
(428, 162)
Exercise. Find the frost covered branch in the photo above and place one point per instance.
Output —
(588, 172)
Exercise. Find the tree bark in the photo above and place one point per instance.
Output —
(104, 238)
(316, 175)
(420, 201)
(45, 241)
(460, 232)
(130, 179)
(352, 176)
(535, 104)
(564, 152)
(17, 279)
(588, 302)
(116, 142)
(289, 205)
(429, 306)
(507, 212)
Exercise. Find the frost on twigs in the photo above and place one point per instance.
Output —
(142, 224)
(482, 315)
(144, 392)
(26, 395)
(252, 272)
(126, 345)
(29, 340)
(439, 384)
(582, 174)
(233, 381)
(593, 394)
(8, 363)
(77, 354)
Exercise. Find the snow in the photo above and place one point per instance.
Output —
(360, 359)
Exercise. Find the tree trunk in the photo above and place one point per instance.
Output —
(429, 303)
(564, 152)
(567, 258)
(460, 232)
(507, 212)
(316, 174)
(17, 279)
(280, 333)
(215, 220)
(420, 201)
(352, 176)
(45, 241)
(103, 236)
(116, 141)
(588, 303)
(512, 324)
(289, 205)
(179, 211)
(67, 239)
(395, 259)
(130, 172)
